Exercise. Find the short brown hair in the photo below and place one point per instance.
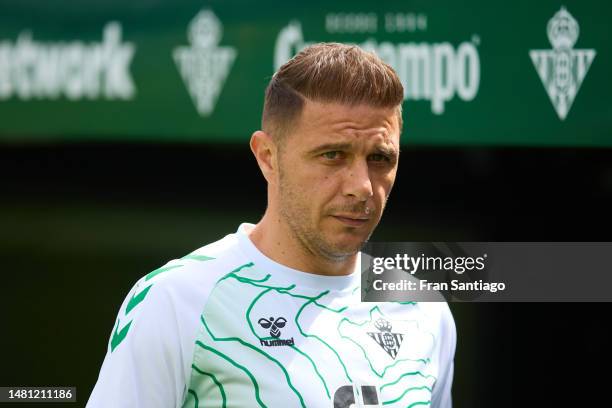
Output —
(329, 72)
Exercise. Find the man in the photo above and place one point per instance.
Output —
(270, 316)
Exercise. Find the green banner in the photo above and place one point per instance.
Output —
(475, 72)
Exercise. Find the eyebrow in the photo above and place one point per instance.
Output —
(389, 151)
(383, 149)
(330, 146)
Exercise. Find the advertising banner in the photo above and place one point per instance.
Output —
(474, 72)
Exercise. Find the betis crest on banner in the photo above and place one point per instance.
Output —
(205, 65)
(563, 68)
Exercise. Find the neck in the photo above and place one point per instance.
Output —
(276, 240)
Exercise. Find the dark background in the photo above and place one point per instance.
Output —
(80, 223)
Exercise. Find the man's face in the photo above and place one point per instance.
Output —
(336, 169)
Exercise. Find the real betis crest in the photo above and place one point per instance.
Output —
(390, 342)
(563, 68)
(204, 65)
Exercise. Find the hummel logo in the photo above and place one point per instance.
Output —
(274, 325)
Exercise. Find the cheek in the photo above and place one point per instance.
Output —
(383, 186)
(321, 186)
(321, 194)
(311, 191)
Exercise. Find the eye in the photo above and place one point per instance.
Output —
(332, 155)
(378, 157)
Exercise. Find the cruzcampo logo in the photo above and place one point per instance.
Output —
(204, 65)
(563, 68)
(434, 72)
(390, 342)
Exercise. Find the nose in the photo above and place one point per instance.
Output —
(357, 182)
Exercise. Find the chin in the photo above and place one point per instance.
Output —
(345, 242)
(347, 248)
(337, 254)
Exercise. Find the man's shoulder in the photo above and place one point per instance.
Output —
(442, 322)
(181, 285)
(199, 270)
(438, 316)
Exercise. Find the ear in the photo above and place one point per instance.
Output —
(264, 150)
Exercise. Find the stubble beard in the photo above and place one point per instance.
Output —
(296, 217)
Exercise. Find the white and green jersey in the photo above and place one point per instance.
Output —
(228, 327)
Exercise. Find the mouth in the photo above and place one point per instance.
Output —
(352, 220)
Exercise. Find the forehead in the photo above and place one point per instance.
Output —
(321, 121)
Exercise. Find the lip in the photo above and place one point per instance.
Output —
(352, 220)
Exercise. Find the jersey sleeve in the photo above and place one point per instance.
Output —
(441, 395)
(143, 366)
